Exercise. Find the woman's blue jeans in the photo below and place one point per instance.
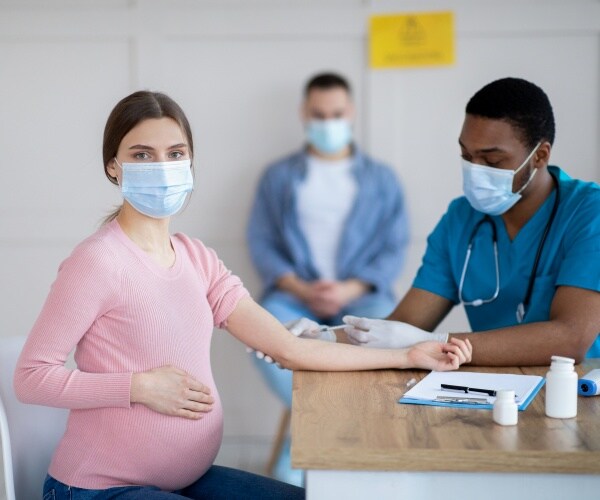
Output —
(218, 483)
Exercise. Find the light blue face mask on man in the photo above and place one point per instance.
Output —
(158, 189)
(329, 136)
(489, 189)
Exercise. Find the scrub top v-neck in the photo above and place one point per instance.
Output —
(570, 256)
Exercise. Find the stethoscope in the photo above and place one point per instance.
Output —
(522, 307)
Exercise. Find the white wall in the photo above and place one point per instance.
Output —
(237, 68)
(414, 117)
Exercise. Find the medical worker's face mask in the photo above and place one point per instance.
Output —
(157, 189)
(329, 136)
(489, 189)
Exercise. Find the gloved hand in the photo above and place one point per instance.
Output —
(261, 355)
(309, 329)
(386, 334)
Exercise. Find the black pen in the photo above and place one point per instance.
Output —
(466, 390)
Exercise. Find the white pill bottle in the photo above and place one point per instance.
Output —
(505, 410)
(561, 388)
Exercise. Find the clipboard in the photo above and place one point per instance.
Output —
(428, 391)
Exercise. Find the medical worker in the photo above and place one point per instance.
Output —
(328, 229)
(520, 250)
(139, 306)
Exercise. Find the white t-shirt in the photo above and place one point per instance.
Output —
(324, 200)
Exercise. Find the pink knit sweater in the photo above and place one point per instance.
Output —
(127, 314)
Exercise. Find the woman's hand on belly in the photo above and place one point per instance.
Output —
(171, 391)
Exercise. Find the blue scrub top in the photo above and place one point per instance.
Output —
(570, 257)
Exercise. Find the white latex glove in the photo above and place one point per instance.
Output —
(387, 334)
(260, 355)
(309, 329)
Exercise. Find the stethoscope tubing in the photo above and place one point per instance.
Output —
(522, 307)
(479, 302)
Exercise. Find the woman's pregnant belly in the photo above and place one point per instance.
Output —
(109, 447)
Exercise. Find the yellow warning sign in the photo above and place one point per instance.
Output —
(411, 40)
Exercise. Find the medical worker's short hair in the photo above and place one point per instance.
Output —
(326, 81)
(520, 103)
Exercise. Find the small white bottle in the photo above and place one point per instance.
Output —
(561, 388)
(505, 411)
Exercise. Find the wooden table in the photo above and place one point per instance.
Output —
(356, 441)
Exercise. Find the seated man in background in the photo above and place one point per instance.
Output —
(520, 251)
(328, 229)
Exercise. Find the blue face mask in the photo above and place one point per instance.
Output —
(489, 189)
(157, 190)
(329, 136)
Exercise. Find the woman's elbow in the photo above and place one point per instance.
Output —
(19, 387)
(286, 361)
(290, 358)
(22, 386)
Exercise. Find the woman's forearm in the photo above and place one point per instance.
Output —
(307, 354)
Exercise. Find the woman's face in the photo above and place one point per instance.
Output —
(150, 141)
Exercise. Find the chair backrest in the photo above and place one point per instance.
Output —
(29, 433)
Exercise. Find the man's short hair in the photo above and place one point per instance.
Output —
(326, 81)
(522, 104)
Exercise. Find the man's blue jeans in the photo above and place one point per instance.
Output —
(218, 483)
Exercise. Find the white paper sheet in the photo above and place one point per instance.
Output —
(430, 387)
